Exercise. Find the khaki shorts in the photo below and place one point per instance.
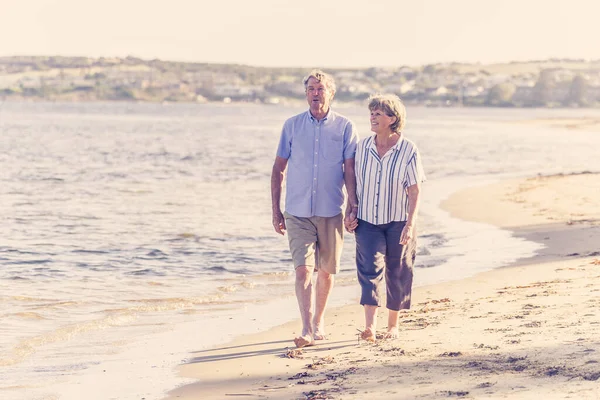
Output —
(316, 241)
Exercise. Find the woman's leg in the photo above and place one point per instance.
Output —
(370, 264)
(392, 328)
(398, 275)
(370, 323)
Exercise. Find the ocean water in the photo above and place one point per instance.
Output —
(133, 235)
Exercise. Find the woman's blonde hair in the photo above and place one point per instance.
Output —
(392, 106)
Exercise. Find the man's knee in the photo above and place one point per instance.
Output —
(304, 272)
(324, 275)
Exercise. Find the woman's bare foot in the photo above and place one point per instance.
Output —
(304, 341)
(392, 333)
(368, 335)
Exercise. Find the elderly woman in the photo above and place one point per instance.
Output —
(388, 179)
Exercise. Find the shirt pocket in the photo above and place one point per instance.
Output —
(332, 148)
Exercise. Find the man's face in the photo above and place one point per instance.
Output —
(318, 95)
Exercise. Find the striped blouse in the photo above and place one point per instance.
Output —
(381, 183)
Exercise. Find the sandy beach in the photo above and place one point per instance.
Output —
(527, 331)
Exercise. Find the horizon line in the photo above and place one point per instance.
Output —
(550, 59)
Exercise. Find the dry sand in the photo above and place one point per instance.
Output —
(527, 331)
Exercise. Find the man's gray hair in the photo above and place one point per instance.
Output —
(321, 77)
(392, 106)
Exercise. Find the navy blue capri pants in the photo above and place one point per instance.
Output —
(378, 249)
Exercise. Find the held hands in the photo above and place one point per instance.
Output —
(351, 222)
(279, 222)
(407, 234)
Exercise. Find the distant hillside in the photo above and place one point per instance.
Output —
(544, 83)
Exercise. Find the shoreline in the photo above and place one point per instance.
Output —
(565, 122)
(535, 209)
(522, 330)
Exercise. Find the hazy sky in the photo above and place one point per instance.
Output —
(327, 33)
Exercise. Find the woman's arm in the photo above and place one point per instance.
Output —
(414, 193)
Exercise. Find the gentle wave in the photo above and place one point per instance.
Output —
(28, 346)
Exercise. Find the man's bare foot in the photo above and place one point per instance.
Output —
(319, 328)
(392, 333)
(319, 334)
(368, 335)
(304, 341)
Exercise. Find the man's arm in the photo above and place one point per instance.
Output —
(352, 205)
(414, 194)
(277, 175)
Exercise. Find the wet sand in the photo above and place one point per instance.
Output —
(525, 331)
(584, 123)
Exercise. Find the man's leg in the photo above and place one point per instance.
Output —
(330, 239)
(304, 295)
(324, 286)
(302, 237)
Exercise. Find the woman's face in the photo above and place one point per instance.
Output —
(380, 122)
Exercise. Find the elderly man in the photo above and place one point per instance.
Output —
(317, 147)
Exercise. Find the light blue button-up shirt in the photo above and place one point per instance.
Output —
(316, 151)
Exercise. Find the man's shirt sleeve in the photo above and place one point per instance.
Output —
(350, 141)
(284, 150)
